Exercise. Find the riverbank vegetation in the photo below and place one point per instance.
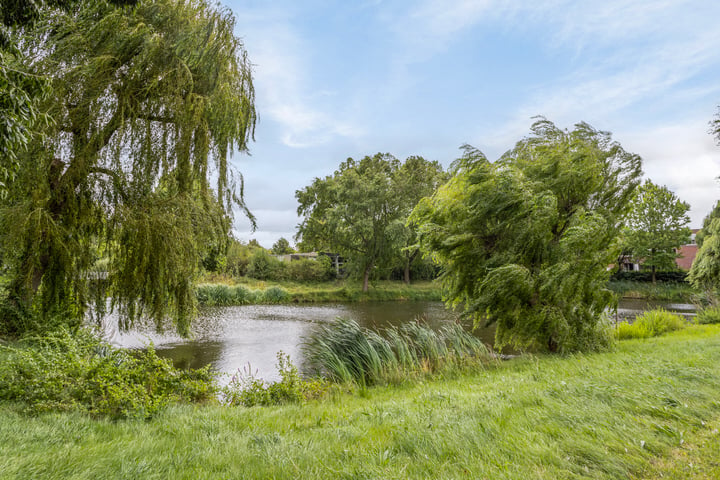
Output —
(680, 292)
(224, 291)
(618, 414)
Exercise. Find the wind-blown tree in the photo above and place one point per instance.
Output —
(147, 103)
(657, 227)
(415, 179)
(355, 212)
(705, 271)
(525, 242)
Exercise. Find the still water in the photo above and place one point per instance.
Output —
(248, 337)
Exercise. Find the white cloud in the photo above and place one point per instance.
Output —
(281, 63)
(683, 157)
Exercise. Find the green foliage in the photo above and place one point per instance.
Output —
(247, 390)
(237, 259)
(345, 352)
(674, 276)
(225, 295)
(664, 291)
(275, 295)
(282, 247)
(361, 211)
(263, 266)
(705, 272)
(656, 227)
(708, 315)
(146, 101)
(525, 242)
(651, 323)
(66, 371)
(308, 270)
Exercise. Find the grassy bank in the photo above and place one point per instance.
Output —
(603, 416)
(225, 291)
(661, 291)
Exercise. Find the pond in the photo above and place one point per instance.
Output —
(248, 337)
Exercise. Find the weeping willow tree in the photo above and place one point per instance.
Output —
(147, 103)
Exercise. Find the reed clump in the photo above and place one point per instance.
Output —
(651, 323)
(345, 352)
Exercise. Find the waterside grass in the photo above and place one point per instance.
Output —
(662, 291)
(610, 415)
(215, 291)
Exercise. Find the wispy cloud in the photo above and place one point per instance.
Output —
(282, 60)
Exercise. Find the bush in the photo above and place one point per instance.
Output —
(307, 270)
(651, 323)
(247, 390)
(708, 315)
(345, 352)
(263, 266)
(78, 372)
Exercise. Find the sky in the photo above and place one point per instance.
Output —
(339, 79)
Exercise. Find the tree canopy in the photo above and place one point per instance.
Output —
(705, 271)
(282, 247)
(525, 242)
(354, 212)
(361, 210)
(657, 227)
(146, 102)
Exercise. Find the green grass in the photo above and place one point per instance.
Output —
(222, 291)
(695, 460)
(602, 416)
(661, 291)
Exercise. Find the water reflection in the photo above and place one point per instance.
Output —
(249, 337)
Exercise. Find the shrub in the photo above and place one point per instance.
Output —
(78, 372)
(307, 270)
(263, 266)
(651, 323)
(708, 315)
(247, 390)
(345, 352)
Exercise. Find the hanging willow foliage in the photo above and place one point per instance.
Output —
(148, 102)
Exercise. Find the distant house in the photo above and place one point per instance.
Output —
(687, 252)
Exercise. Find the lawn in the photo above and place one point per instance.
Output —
(620, 414)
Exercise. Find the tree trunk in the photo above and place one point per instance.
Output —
(653, 274)
(366, 277)
(409, 259)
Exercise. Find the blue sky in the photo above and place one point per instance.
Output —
(338, 79)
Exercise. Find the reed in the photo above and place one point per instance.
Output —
(345, 352)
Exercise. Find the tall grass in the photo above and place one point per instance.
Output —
(345, 352)
(224, 295)
(651, 323)
(253, 291)
(663, 291)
